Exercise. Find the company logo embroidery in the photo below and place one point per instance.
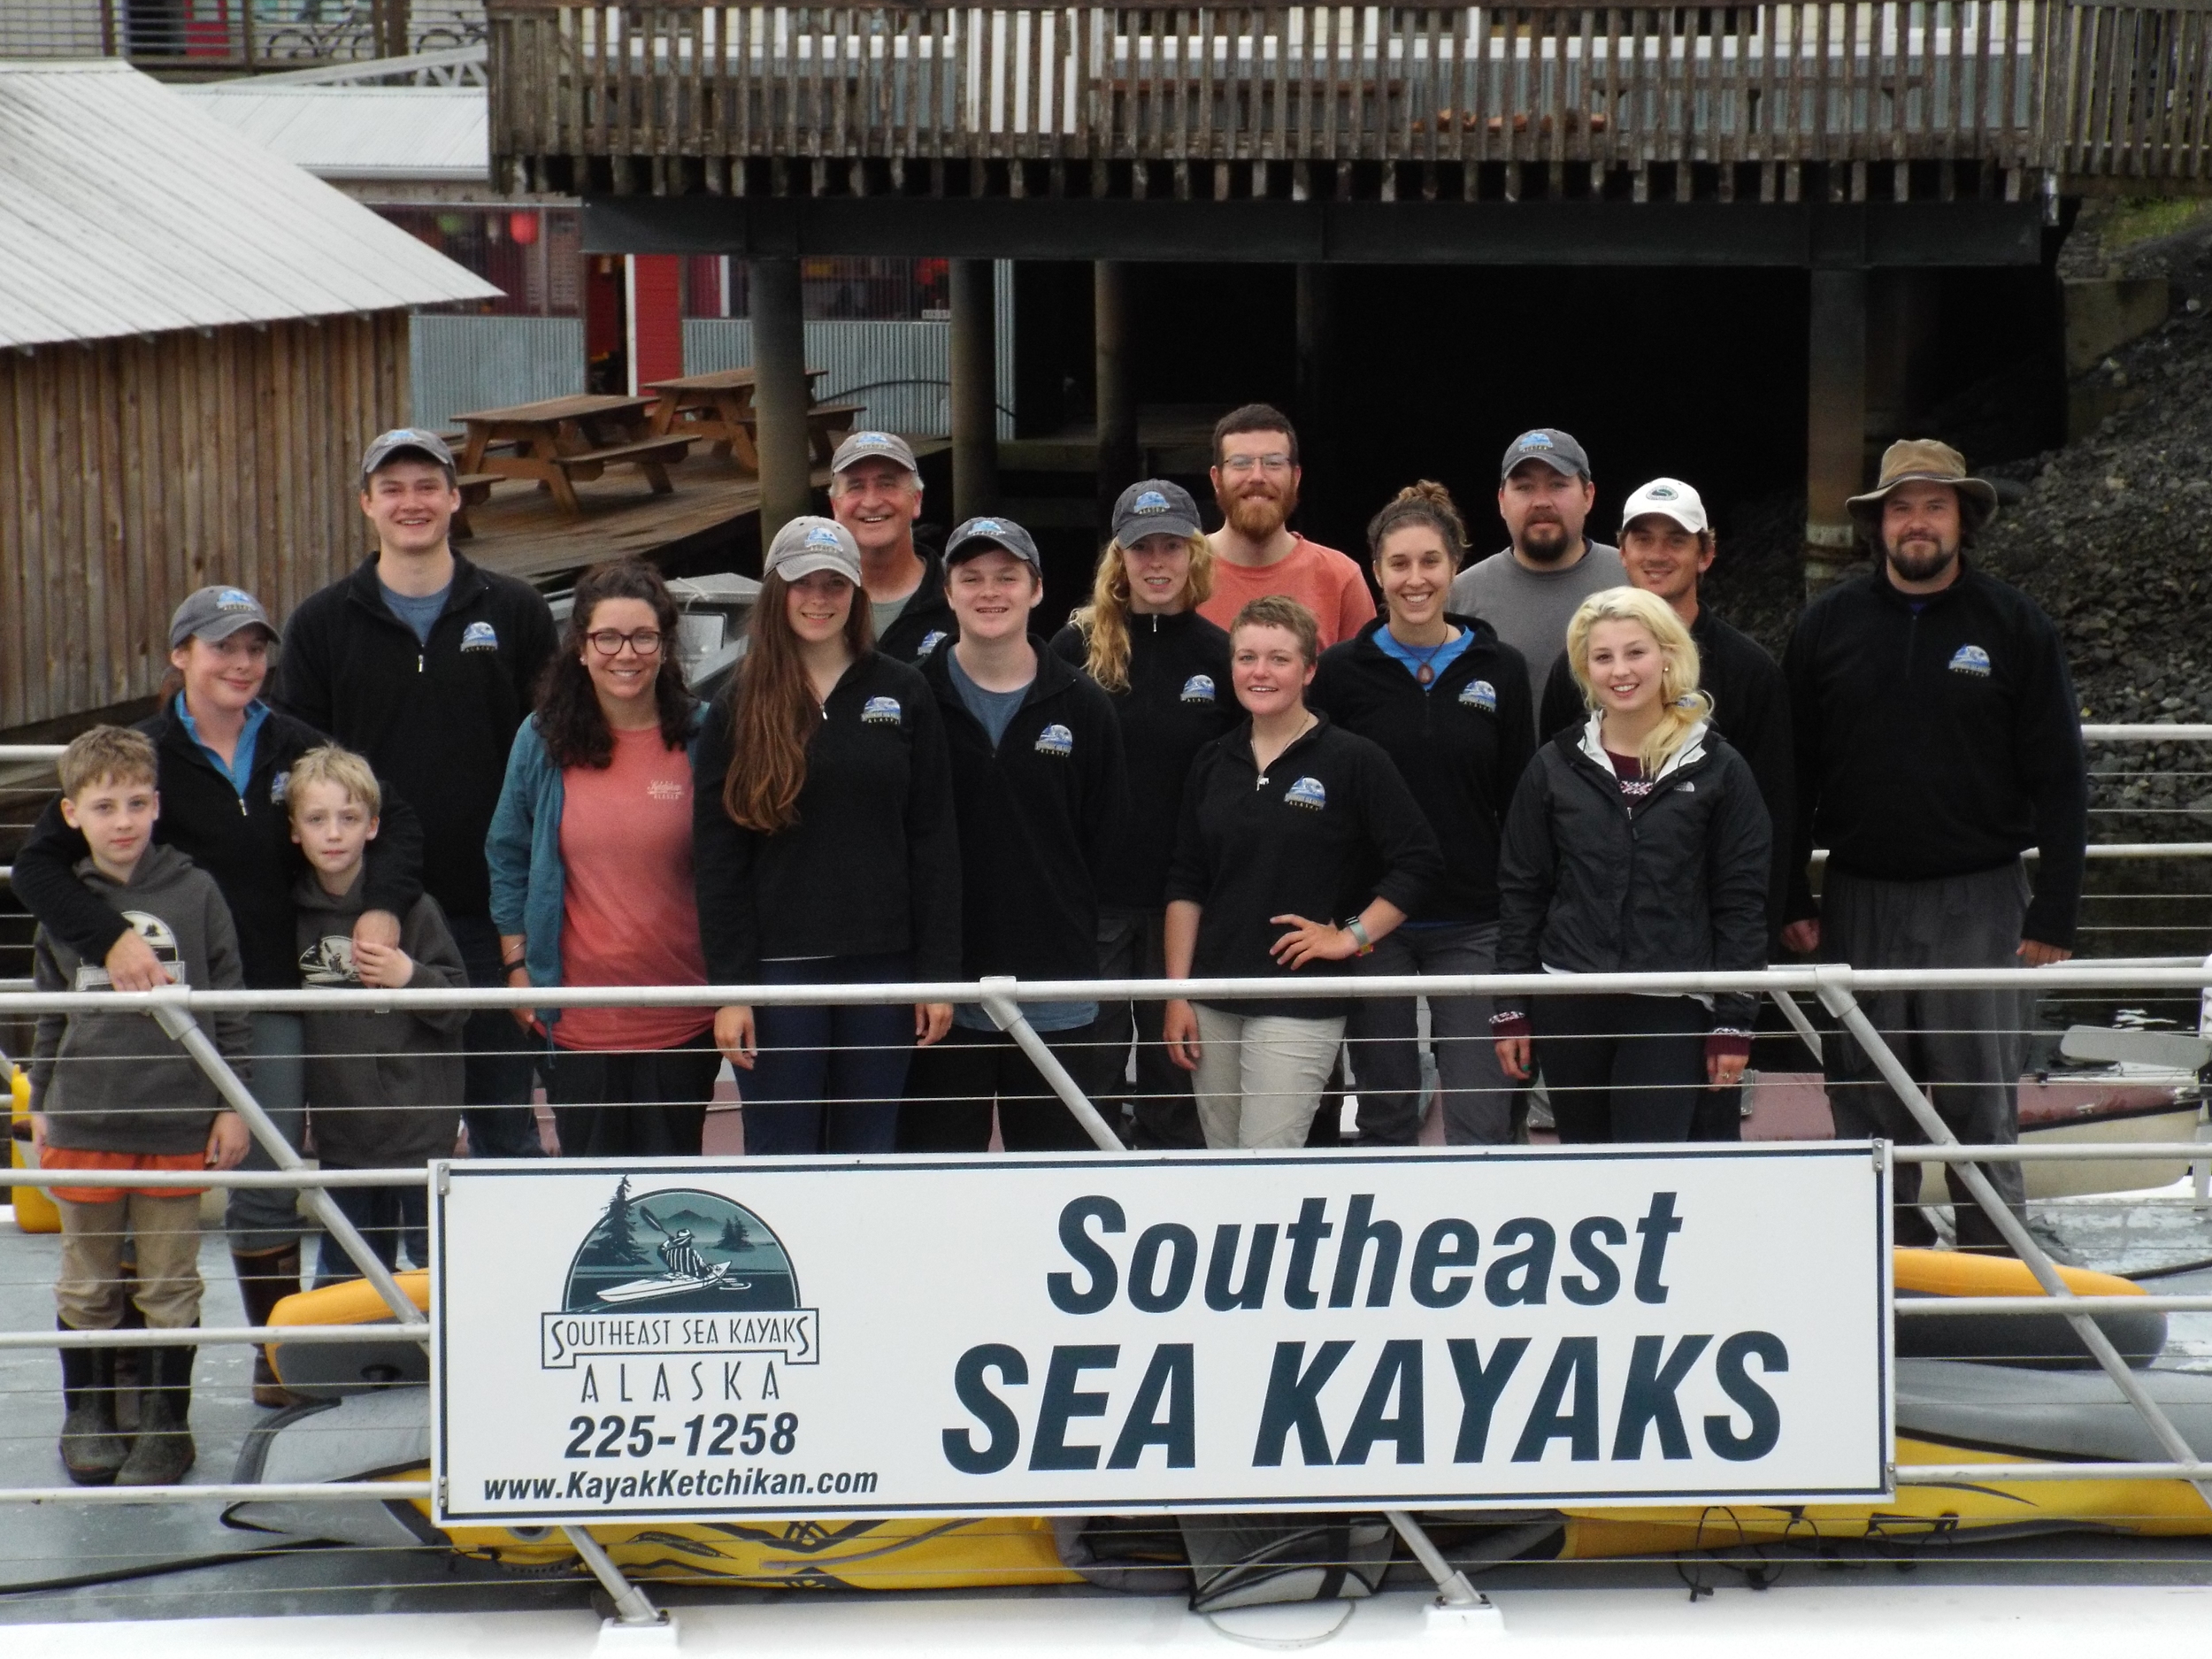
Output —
(987, 527)
(234, 599)
(1198, 688)
(1532, 440)
(822, 535)
(1688, 789)
(930, 641)
(1306, 793)
(1151, 500)
(1971, 659)
(280, 788)
(1056, 739)
(1480, 694)
(679, 1250)
(159, 939)
(328, 962)
(880, 711)
(871, 439)
(666, 789)
(1662, 492)
(480, 636)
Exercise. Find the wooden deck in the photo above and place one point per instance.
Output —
(521, 532)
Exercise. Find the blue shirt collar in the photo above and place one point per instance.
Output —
(240, 769)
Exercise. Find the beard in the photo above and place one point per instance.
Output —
(1544, 540)
(1257, 514)
(1919, 561)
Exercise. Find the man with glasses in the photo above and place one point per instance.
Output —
(875, 492)
(426, 664)
(1256, 477)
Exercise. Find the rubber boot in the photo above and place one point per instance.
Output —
(264, 1279)
(91, 1448)
(130, 1363)
(162, 1451)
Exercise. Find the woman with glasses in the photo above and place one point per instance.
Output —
(590, 855)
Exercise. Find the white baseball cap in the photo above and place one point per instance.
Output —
(1670, 498)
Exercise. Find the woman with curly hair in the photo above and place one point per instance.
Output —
(1167, 670)
(590, 855)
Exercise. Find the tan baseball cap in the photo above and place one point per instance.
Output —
(1924, 461)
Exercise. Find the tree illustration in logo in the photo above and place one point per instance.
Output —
(618, 1239)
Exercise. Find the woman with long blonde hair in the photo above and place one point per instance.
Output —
(1167, 670)
(1637, 843)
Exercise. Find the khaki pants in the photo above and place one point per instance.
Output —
(88, 1295)
(1260, 1076)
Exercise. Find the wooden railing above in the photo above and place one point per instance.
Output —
(1923, 96)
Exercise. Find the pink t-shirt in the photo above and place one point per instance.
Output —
(628, 913)
(1319, 578)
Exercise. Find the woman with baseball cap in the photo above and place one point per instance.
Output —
(827, 854)
(226, 760)
(1289, 822)
(1449, 701)
(1637, 843)
(1167, 670)
(590, 856)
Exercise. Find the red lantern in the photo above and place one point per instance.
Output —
(523, 227)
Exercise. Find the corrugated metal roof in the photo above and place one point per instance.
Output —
(126, 210)
(413, 132)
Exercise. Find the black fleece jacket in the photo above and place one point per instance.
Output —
(1751, 709)
(1595, 882)
(245, 842)
(1328, 828)
(1040, 816)
(1937, 735)
(872, 866)
(926, 625)
(1459, 743)
(437, 719)
(1179, 700)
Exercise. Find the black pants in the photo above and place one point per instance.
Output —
(633, 1103)
(1162, 1114)
(953, 1085)
(1622, 1068)
(495, 1075)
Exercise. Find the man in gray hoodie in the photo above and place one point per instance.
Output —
(112, 1092)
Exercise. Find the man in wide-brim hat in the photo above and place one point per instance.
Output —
(1938, 738)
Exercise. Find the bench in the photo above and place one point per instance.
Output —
(476, 489)
(651, 456)
(826, 425)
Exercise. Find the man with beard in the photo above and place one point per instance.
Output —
(1938, 737)
(1528, 592)
(1256, 475)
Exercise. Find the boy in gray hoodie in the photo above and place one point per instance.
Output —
(112, 1092)
(384, 1085)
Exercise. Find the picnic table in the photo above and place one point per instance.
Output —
(718, 406)
(557, 441)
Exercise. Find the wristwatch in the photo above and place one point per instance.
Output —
(1358, 930)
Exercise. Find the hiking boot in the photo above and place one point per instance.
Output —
(162, 1451)
(92, 1449)
(264, 1279)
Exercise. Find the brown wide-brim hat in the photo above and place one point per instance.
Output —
(1924, 461)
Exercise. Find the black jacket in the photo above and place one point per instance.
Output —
(1178, 702)
(244, 842)
(1938, 742)
(1460, 743)
(1329, 827)
(926, 625)
(1675, 882)
(872, 866)
(1751, 709)
(1039, 819)
(436, 720)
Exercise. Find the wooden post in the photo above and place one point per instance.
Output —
(1835, 422)
(781, 395)
(388, 24)
(975, 390)
(1119, 458)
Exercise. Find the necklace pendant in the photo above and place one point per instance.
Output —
(1425, 673)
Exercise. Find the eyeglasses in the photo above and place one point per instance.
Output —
(607, 642)
(1276, 463)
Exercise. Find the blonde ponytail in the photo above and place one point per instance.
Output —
(1682, 704)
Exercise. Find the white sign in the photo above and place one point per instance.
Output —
(688, 1341)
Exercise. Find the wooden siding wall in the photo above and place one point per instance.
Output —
(134, 470)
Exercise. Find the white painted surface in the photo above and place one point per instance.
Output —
(426, 134)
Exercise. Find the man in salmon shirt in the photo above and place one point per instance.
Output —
(1256, 475)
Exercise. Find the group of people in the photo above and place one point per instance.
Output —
(1228, 763)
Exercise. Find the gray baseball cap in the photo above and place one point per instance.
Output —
(980, 536)
(214, 614)
(809, 544)
(874, 446)
(404, 440)
(1153, 506)
(1555, 449)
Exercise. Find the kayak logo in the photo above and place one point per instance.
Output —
(930, 641)
(822, 535)
(1662, 492)
(1306, 793)
(1480, 694)
(1529, 442)
(1056, 739)
(678, 1250)
(160, 939)
(1971, 659)
(1199, 689)
(480, 636)
(235, 599)
(881, 711)
(1151, 500)
(328, 962)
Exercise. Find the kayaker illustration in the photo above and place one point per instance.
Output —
(688, 1270)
